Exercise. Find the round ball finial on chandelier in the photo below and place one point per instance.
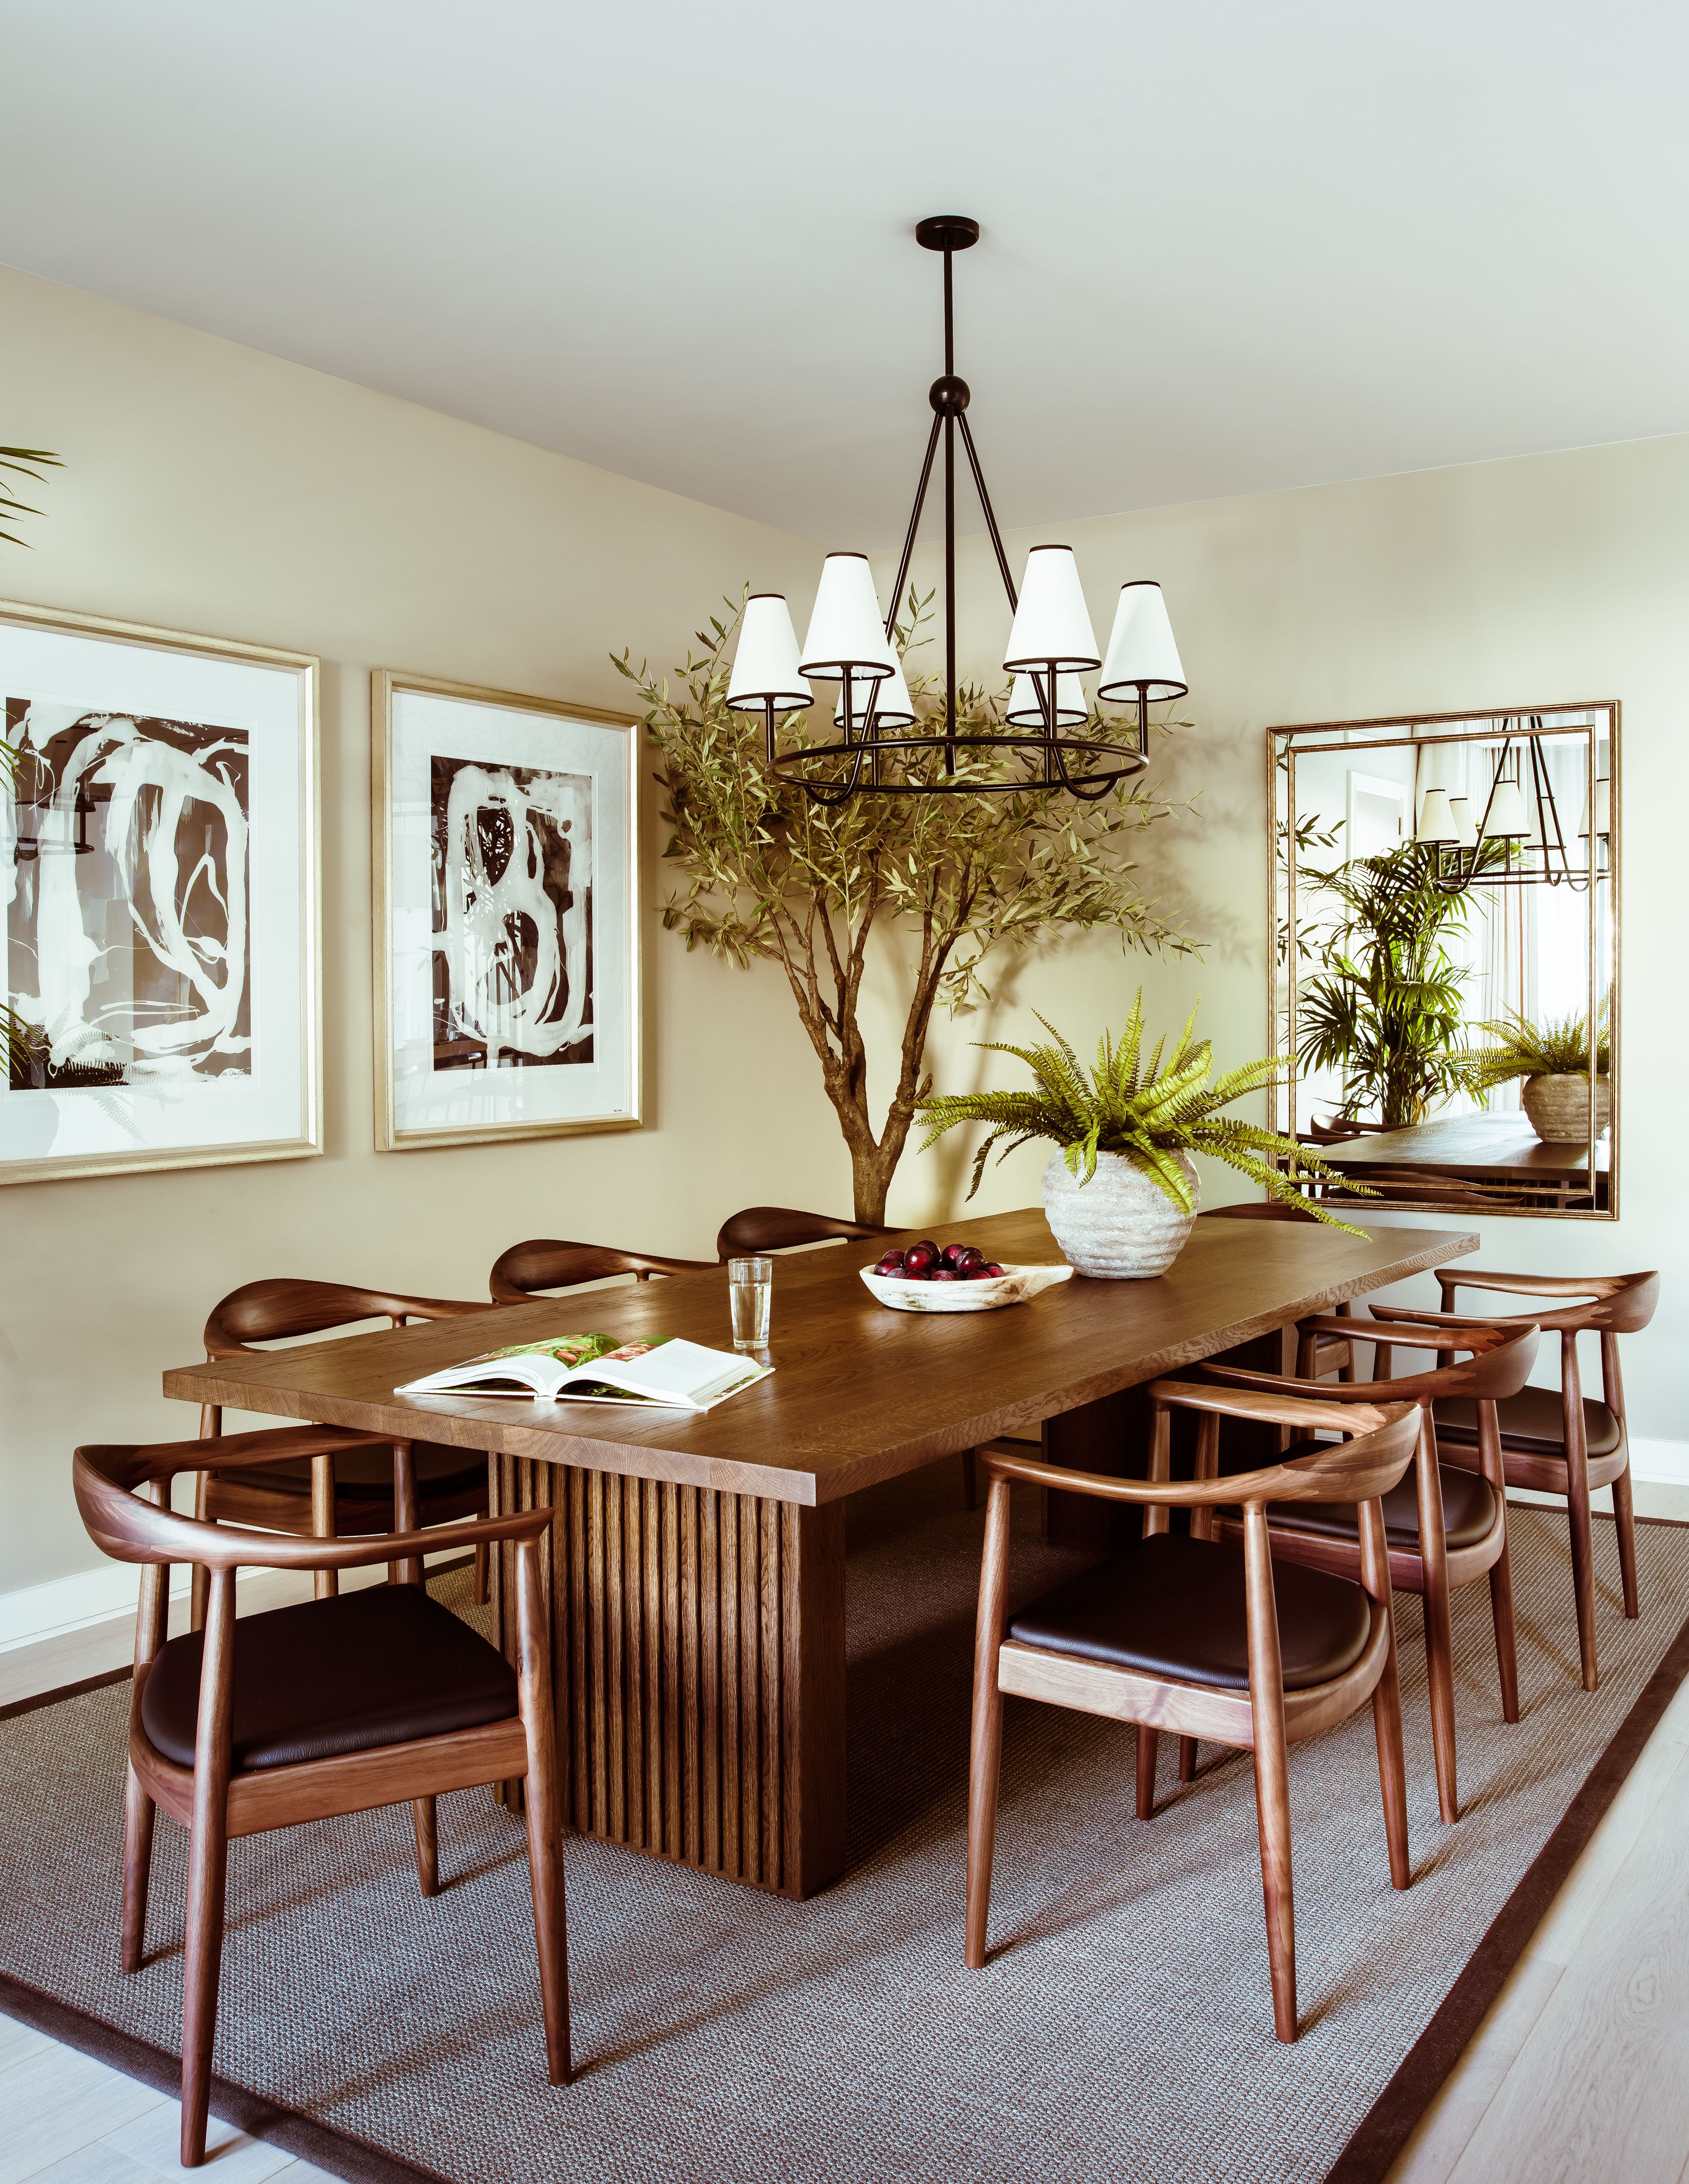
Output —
(1047, 737)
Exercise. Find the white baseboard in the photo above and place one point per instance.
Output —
(1660, 1462)
(37, 1612)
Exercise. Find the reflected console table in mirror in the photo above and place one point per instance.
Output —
(1443, 982)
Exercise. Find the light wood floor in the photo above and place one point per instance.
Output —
(1580, 2074)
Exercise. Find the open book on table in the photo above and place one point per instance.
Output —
(674, 1375)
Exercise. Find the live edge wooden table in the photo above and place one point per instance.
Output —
(696, 1574)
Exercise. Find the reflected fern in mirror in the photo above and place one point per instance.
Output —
(1520, 1049)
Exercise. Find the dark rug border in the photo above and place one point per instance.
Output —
(357, 2159)
(1389, 2123)
(1367, 2159)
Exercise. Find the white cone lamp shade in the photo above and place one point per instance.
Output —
(1465, 826)
(847, 628)
(1052, 621)
(1507, 820)
(765, 670)
(1436, 822)
(890, 700)
(1141, 653)
(1026, 707)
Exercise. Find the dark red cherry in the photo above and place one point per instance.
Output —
(892, 1263)
(993, 1272)
(919, 1257)
(967, 1257)
(943, 1274)
(951, 1254)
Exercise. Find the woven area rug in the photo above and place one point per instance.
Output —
(1122, 2028)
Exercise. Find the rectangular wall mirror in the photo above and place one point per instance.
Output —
(1443, 990)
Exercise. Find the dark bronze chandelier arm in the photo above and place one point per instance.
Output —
(915, 525)
(990, 512)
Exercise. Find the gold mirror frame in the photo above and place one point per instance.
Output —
(1468, 1187)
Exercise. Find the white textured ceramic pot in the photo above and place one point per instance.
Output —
(1559, 1107)
(1119, 1225)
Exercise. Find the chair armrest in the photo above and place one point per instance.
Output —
(1476, 1277)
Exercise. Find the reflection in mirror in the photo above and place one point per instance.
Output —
(1443, 977)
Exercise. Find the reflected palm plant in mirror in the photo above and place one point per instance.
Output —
(1387, 1014)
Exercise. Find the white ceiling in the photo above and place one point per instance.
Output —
(1229, 245)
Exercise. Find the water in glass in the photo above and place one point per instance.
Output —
(750, 1290)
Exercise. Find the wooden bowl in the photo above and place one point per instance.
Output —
(1014, 1285)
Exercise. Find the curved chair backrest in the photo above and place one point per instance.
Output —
(1616, 1304)
(778, 1227)
(546, 1263)
(126, 1522)
(269, 1311)
(1383, 1439)
(1498, 1361)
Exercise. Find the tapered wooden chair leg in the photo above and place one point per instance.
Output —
(1583, 1581)
(544, 1812)
(423, 1817)
(1187, 1759)
(1624, 1524)
(207, 1865)
(138, 1811)
(325, 1583)
(1439, 1637)
(1500, 1613)
(1272, 1769)
(1392, 1774)
(985, 1751)
(1148, 1741)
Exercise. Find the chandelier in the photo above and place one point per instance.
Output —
(882, 744)
(1519, 841)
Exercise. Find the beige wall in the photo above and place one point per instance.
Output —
(1555, 578)
(214, 489)
(210, 488)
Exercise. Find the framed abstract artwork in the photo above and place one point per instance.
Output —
(158, 857)
(506, 915)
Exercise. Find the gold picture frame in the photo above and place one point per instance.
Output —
(408, 1093)
(143, 1076)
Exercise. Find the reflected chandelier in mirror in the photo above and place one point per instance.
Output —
(1442, 985)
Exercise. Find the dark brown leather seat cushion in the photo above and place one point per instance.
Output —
(1468, 1510)
(1173, 1606)
(366, 1474)
(349, 1674)
(1532, 1421)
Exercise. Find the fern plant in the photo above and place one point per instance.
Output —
(1148, 1111)
(1556, 1048)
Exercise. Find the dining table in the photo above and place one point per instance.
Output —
(696, 1573)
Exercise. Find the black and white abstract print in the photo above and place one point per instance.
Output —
(511, 851)
(127, 929)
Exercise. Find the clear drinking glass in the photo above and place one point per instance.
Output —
(750, 1291)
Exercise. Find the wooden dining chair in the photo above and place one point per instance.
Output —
(1566, 1443)
(1186, 1632)
(345, 1489)
(545, 1262)
(1446, 1528)
(757, 1228)
(381, 1697)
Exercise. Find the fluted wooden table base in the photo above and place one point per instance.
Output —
(697, 1661)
